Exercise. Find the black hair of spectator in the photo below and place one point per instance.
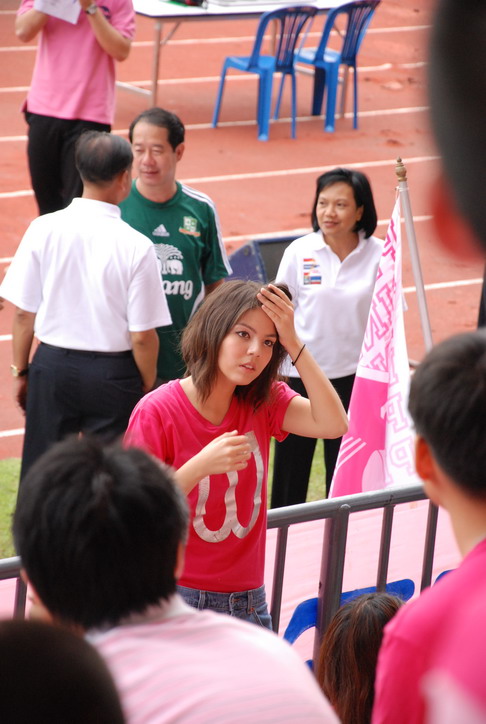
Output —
(98, 529)
(447, 403)
(51, 675)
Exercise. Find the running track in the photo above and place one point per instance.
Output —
(261, 189)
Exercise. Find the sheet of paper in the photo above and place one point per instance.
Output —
(67, 10)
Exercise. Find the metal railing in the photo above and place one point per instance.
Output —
(336, 513)
(10, 568)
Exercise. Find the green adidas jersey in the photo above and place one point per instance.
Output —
(191, 254)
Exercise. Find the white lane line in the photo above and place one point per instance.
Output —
(445, 285)
(195, 80)
(243, 238)
(303, 171)
(406, 290)
(5, 337)
(271, 174)
(222, 40)
(298, 232)
(12, 433)
(229, 124)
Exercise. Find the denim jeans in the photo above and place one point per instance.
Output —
(248, 605)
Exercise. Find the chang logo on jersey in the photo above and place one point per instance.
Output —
(170, 259)
(189, 226)
(171, 262)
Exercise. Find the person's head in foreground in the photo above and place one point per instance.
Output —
(232, 305)
(457, 95)
(448, 407)
(100, 531)
(51, 675)
(349, 652)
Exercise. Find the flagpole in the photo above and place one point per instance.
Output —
(401, 173)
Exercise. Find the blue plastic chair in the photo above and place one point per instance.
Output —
(327, 61)
(304, 616)
(290, 22)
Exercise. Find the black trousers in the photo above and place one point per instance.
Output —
(72, 392)
(293, 457)
(50, 150)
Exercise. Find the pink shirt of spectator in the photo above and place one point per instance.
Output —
(226, 546)
(414, 636)
(74, 78)
(454, 689)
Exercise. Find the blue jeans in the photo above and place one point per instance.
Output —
(248, 605)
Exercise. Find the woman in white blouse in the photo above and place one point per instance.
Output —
(331, 274)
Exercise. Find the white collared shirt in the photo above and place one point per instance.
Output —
(89, 278)
(332, 299)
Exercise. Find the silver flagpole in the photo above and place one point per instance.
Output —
(401, 173)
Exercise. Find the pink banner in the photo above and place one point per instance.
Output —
(377, 450)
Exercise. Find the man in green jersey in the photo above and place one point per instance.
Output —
(182, 223)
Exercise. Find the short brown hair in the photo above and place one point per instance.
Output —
(202, 338)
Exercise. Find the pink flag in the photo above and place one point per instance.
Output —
(377, 450)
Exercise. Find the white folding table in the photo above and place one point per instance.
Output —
(166, 11)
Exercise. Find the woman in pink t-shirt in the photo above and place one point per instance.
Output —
(214, 427)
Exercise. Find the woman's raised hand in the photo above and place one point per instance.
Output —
(279, 308)
(226, 453)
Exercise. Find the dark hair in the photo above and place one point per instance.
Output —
(349, 653)
(448, 406)
(49, 674)
(101, 157)
(98, 530)
(457, 93)
(202, 338)
(163, 119)
(363, 196)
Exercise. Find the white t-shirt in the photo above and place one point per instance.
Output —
(177, 664)
(332, 299)
(89, 277)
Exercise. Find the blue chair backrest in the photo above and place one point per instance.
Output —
(291, 21)
(359, 15)
(304, 616)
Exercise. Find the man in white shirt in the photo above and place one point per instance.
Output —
(101, 532)
(87, 285)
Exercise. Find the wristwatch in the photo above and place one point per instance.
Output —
(19, 373)
(91, 9)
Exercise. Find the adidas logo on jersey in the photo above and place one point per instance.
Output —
(160, 231)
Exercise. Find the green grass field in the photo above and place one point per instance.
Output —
(9, 480)
(9, 476)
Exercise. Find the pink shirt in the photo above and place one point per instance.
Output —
(413, 637)
(74, 78)
(226, 547)
(176, 664)
(455, 689)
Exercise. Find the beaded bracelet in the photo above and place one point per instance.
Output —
(295, 360)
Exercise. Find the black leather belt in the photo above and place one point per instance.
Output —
(88, 353)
